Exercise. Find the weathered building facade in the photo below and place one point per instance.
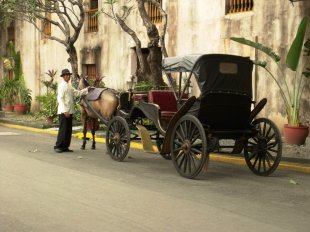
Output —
(195, 26)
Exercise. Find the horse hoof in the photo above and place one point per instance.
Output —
(93, 148)
(82, 148)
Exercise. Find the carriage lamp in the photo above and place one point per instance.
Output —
(130, 86)
(131, 83)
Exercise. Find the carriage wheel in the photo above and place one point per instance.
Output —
(159, 144)
(189, 147)
(263, 152)
(118, 138)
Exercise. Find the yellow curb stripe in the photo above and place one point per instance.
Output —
(294, 167)
(214, 157)
(29, 128)
(227, 159)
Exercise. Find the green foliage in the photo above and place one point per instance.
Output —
(258, 46)
(291, 94)
(50, 85)
(48, 104)
(144, 86)
(25, 96)
(8, 89)
(293, 55)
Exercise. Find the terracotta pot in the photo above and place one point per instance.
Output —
(9, 108)
(295, 134)
(20, 109)
(50, 119)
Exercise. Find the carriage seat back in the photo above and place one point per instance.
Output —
(225, 110)
(165, 100)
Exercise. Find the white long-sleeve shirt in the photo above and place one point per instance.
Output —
(65, 97)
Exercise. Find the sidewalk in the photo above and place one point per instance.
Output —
(291, 154)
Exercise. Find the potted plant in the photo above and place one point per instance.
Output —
(24, 100)
(48, 101)
(291, 90)
(48, 106)
(8, 92)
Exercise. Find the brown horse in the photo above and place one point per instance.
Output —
(102, 104)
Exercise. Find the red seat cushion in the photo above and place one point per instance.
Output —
(165, 99)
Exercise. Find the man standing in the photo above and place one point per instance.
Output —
(65, 99)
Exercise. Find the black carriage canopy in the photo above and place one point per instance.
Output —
(214, 72)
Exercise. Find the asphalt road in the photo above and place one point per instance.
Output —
(88, 191)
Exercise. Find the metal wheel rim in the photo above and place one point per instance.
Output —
(189, 147)
(118, 138)
(263, 152)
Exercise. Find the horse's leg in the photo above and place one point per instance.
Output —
(84, 133)
(93, 131)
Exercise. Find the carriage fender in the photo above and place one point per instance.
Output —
(182, 111)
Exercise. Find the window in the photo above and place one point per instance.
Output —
(238, 6)
(154, 12)
(11, 37)
(91, 71)
(11, 32)
(91, 17)
(47, 26)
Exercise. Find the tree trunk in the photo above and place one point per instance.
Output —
(155, 56)
(73, 60)
(154, 60)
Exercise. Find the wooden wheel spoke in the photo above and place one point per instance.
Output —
(266, 134)
(268, 160)
(271, 137)
(179, 135)
(180, 154)
(264, 128)
(193, 159)
(197, 151)
(270, 156)
(177, 142)
(183, 134)
(177, 149)
(272, 145)
(259, 163)
(185, 164)
(195, 137)
(182, 159)
(264, 163)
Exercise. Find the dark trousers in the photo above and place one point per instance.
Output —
(64, 132)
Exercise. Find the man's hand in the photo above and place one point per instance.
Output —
(67, 114)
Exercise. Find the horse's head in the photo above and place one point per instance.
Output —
(83, 83)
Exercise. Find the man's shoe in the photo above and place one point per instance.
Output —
(58, 150)
(67, 150)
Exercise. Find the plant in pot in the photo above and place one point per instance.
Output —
(48, 101)
(8, 92)
(24, 100)
(48, 106)
(291, 90)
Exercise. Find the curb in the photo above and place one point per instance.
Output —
(291, 166)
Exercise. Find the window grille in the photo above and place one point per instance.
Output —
(91, 71)
(47, 26)
(91, 17)
(154, 12)
(238, 6)
(11, 33)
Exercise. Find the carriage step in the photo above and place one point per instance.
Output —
(145, 139)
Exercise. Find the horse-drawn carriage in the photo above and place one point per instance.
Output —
(186, 128)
